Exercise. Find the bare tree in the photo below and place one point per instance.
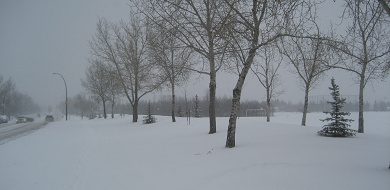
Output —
(7, 89)
(200, 25)
(80, 104)
(266, 71)
(124, 46)
(97, 83)
(257, 23)
(168, 54)
(365, 48)
(309, 58)
(115, 89)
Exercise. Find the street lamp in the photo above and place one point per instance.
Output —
(66, 94)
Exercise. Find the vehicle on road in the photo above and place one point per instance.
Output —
(49, 118)
(21, 119)
(24, 119)
(3, 119)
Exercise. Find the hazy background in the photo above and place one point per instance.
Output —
(40, 37)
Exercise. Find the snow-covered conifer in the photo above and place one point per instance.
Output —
(196, 108)
(179, 111)
(149, 118)
(338, 126)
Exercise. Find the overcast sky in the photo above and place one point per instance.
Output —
(40, 37)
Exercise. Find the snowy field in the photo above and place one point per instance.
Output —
(118, 154)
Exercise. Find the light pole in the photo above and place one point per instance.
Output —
(66, 95)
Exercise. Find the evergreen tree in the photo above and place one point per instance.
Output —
(338, 126)
(149, 118)
(196, 108)
(179, 111)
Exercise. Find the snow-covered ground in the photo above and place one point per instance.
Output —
(119, 154)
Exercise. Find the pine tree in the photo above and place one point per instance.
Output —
(338, 126)
(196, 108)
(179, 111)
(149, 118)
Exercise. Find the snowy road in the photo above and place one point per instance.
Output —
(12, 131)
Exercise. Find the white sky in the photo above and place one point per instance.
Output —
(40, 37)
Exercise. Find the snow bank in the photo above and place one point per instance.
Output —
(119, 154)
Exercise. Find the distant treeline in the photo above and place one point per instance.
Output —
(14, 102)
(223, 107)
(162, 106)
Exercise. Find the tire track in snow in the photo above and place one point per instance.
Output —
(88, 143)
(13, 132)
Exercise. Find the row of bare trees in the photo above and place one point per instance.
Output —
(165, 40)
(12, 102)
(201, 26)
(102, 82)
(224, 32)
(87, 105)
(135, 59)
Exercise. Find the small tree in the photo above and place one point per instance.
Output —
(179, 111)
(80, 104)
(196, 108)
(149, 118)
(167, 53)
(338, 127)
(96, 82)
(266, 72)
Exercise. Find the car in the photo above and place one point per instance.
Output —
(24, 119)
(21, 119)
(3, 119)
(49, 118)
(30, 119)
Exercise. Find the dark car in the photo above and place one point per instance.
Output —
(24, 119)
(3, 119)
(30, 119)
(49, 118)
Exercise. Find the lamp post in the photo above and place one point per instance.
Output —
(66, 95)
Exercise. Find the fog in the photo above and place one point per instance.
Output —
(42, 37)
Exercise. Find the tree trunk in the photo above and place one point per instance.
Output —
(213, 72)
(305, 105)
(104, 109)
(361, 105)
(231, 134)
(135, 111)
(112, 109)
(268, 105)
(135, 96)
(173, 103)
(213, 86)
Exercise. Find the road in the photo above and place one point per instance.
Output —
(12, 131)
